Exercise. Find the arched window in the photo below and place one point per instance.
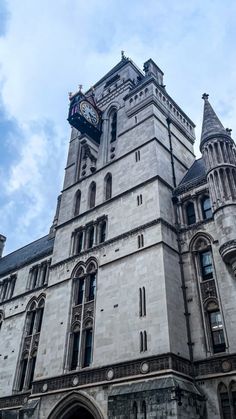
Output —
(92, 286)
(224, 401)
(77, 202)
(206, 208)
(135, 410)
(81, 337)
(79, 286)
(144, 410)
(39, 317)
(30, 320)
(108, 186)
(190, 213)
(28, 360)
(216, 328)
(92, 195)
(113, 126)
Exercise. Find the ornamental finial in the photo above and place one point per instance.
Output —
(80, 87)
(228, 130)
(70, 94)
(122, 55)
(205, 96)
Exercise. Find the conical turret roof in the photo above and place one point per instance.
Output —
(211, 125)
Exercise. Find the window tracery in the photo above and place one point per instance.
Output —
(200, 247)
(31, 338)
(81, 335)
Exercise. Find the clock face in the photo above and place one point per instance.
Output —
(89, 113)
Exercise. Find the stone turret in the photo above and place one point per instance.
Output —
(219, 154)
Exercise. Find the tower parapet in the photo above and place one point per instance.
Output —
(219, 154)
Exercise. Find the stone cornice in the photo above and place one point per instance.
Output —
(201, 180)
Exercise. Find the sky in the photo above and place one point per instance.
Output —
(48, 48)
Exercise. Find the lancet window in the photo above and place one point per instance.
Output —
(108, 186)
(7, 286)
(30, 344)
(82, 322)
(211, 312)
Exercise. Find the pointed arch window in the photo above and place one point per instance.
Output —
(206, 208)
(108, 186)
(190, 213)
(33, 324)
(81, 336)
(224, 402)
(77, 202)
(92, 195)
(113, 126)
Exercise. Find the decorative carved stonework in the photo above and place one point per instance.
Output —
(14, 401)
(76, 313)
(35, 343)
(228, 253)
(26, 346)
(126, 369)
(215, 365)
(208, 289)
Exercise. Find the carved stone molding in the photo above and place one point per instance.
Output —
(14, 401)
(216, 365)
(208, 289)
(122, 370)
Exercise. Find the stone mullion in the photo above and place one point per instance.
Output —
(196, 209)
(84, 244)
(39, 276)
(180, 212)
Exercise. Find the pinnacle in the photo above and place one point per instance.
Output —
(211, 125)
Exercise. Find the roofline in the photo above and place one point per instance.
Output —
(17, 250)
(122, 63)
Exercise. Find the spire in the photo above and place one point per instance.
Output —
(211, 125)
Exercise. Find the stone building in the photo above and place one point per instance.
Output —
(126, 309)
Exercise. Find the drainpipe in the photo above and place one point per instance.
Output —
(184, 288)
(168, 120)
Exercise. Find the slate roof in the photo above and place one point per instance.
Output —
(211, 125)
(27, 254)
(194, 176)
